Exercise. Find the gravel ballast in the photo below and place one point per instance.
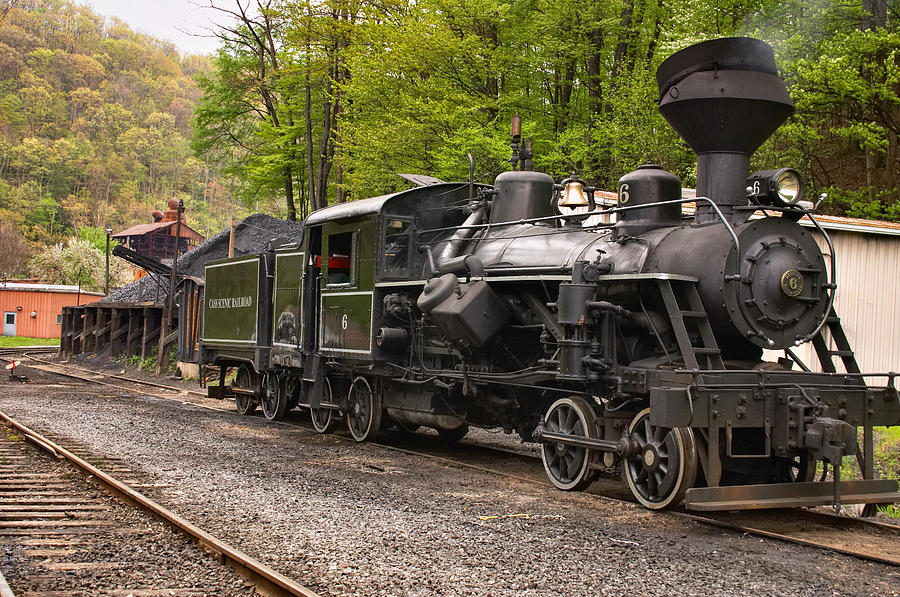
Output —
(350, 519)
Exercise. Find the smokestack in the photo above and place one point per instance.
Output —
(724, 97)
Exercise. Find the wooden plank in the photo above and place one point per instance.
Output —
(48, 553)
(31, 494)
(18, 514)
(52, 507)
(31, 487)
(73, 566)
(54, 541)
(36, 524)
(41, 499)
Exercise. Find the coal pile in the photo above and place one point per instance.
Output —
(251, 235)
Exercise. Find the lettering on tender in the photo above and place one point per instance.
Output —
(231, 302)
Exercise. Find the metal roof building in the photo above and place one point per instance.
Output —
(868, 277)
(35, 310)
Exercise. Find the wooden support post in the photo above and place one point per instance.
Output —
(78, 330)
(90, 325)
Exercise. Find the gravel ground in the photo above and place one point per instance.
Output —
(364, 520)
(147, 553)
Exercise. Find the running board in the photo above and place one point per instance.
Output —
(790, 495)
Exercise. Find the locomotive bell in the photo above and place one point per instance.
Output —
(724, 97)
(648, 185)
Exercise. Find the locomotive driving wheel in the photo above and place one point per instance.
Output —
(569, 467)
(665, 467)
(275, 398)
(363, 410)
(322, 418)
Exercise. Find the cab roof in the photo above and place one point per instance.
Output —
(375, 205)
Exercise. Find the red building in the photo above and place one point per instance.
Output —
(35, 310)
(157, 239)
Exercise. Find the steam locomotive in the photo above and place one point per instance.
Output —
(629, 348)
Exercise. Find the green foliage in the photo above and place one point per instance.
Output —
(16, 341)
(96, 237)
(410, 86)
(150, 361)
(887, 452)
(95, 127)
(78, 262)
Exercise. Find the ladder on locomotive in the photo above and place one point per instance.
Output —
(842, 346)
(691, 327)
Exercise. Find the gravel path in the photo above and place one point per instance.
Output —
(364, 520)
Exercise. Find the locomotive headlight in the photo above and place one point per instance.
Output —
(782, 187)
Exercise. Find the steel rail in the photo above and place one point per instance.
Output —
(111, 376)
(267, 580)
(594, 496)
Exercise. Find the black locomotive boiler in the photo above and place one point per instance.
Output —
(631, 349)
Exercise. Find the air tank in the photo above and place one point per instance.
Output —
(648, 185)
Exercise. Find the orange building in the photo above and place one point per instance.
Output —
(35, 310)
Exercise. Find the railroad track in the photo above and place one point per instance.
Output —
(862, 538)
(63, 531)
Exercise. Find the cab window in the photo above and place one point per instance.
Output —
(396, 254)
(342, 259)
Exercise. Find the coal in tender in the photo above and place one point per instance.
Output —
(251, 235)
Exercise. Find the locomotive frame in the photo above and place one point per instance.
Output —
(631, 348)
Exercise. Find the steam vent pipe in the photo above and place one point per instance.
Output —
(725, 98)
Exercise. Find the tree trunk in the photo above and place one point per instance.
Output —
(289, 194)
(324, 164)
(622, 46)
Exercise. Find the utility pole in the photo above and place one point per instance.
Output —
(108, 232)
(162, 360)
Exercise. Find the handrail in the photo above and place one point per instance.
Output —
(832, 284)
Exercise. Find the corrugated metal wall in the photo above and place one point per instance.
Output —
(868, 275)
(46, 305)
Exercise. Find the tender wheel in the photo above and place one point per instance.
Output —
(798, 469)
(569, 467)
(244, 403)
(323, 419)
(451, 436)
(294, 390)
(275, 399)
(364, 411)
(666, 466)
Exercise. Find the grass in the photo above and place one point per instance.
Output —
(17, 341)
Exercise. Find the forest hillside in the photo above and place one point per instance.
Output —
(94, 130)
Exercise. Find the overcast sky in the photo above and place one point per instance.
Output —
(172, 20)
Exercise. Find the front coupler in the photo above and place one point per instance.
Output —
(785, 413)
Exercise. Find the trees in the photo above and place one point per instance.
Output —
(14, 253)
(94, 124)
(366, 89)
(78, 261)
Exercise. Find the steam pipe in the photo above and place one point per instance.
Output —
(465, 232)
